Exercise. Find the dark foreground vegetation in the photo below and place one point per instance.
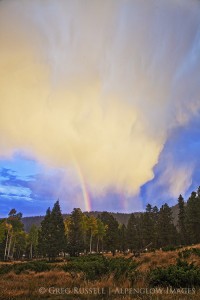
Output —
(84, 251)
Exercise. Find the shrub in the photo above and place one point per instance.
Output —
(188, 252)
(122, 267)
(170, 248)
(196, 251)
(93, 266)
(180, 275)
(4, 269)
(37, 266)
(96, 266)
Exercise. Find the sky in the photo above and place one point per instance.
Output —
(99, 104)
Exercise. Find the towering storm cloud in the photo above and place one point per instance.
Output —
(98, 84)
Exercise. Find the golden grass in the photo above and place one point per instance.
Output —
(26, 286)
(160, 258)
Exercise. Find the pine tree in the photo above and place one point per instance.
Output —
(123, 238)
(133, 238)
(193, 217)
(111, 239)
(58, 238)
(155, 216)
(76, 233)
(182, 220)
(45, 236)
(166, 229)
(52, 238)
(148, 226)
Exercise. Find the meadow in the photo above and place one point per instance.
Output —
(169, 274)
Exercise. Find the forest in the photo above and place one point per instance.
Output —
(86, 256)
(79, 233)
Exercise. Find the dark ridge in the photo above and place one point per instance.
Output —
(122, 218)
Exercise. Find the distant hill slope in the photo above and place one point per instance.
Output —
(122, 218)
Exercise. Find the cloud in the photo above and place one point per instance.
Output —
(177, 171)
(98, 84)
(45, 185)
(174, 179)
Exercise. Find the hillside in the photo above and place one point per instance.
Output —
(163, 273)
(122, 218)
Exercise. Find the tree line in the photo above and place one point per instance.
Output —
(80, 233)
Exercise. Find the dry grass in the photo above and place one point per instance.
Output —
(159, 258)
(26, 286)
(148, 261)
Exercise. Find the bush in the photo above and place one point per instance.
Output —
(122, 267)
(188, 252)
(180, 275)
(96, 266)
(37, 266)
(4, 269)
(170, 248)
(196, 251)
(93, 266)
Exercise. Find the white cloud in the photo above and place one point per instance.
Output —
(97, 83)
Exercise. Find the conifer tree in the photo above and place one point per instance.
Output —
(193, 217)
(133, 238)
(155, 216)
(111, 239)
(123, 238)
(148, 226)
(76, 233)
(52, 238)
(45, 235)
(166, 229)
(182, 220)
(58, 238)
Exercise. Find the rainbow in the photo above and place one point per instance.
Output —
(86, 196)
(123, 201)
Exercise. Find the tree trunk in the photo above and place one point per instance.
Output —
(9, 246)
(6, 247)
(98, 244)
(31, 251)
(13, 249)
(90, 243)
